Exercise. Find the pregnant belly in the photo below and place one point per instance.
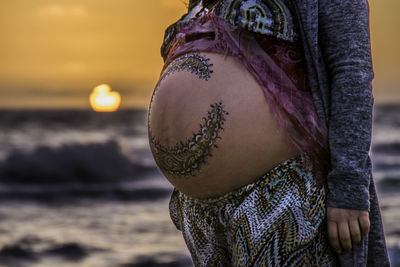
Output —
(210, 127)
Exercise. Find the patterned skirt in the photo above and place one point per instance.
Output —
(278, 220)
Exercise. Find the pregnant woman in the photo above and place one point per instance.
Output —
(233, 126)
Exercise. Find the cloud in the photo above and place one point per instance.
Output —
(57, 10)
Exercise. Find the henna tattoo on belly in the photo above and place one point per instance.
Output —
(193, 62)
(184, 159)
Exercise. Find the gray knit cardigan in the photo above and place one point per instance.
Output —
(336, 40)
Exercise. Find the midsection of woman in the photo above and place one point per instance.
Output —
(210, 127)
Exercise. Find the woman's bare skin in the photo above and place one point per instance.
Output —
(346, 227)
(210, 127)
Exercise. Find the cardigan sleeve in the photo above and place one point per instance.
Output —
(344, 39)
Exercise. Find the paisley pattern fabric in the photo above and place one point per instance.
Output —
(278, 220)
(269, 17)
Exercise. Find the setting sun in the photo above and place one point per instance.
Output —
(103, 99)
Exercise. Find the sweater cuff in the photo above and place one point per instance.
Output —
(346, 191)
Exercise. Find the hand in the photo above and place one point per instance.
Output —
(346, 227)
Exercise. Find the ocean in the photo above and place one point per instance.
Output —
(80, 188)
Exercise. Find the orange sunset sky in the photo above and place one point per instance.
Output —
(54, 52)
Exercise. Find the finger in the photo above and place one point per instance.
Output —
(355, 232)
(364, 224)
(333, 236)
(344, 235)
